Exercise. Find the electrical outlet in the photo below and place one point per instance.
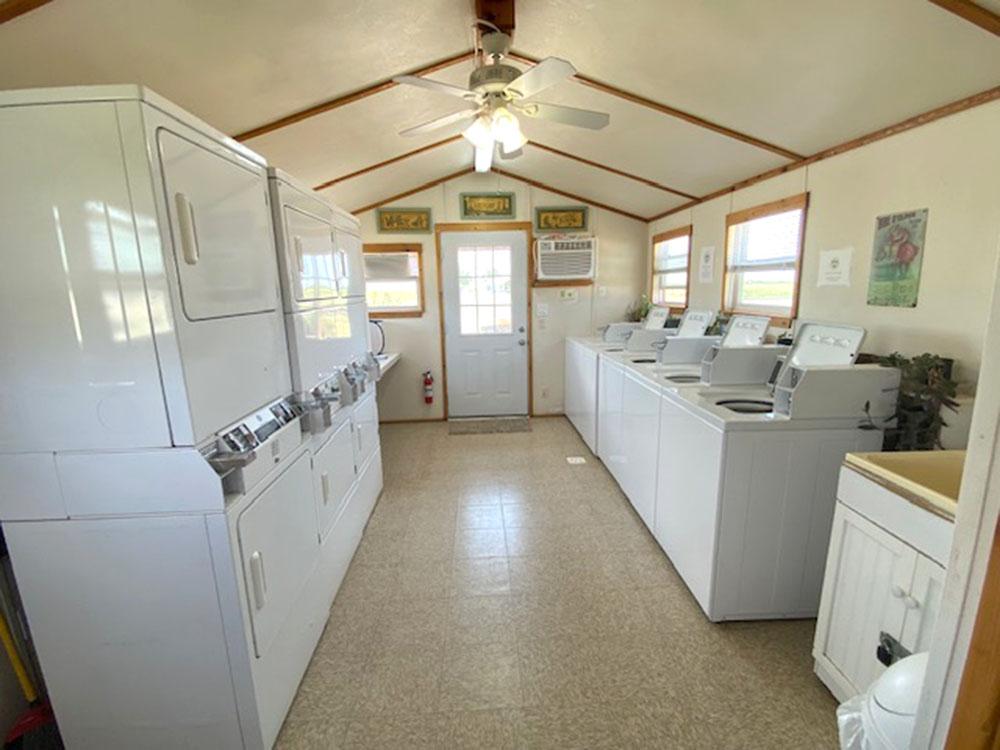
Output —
(545, 392)
(602, 291)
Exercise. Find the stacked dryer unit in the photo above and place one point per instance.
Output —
(332, 367)
(158, 496)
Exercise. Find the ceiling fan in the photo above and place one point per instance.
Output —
(496, 94)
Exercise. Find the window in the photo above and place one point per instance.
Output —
(671, 264)
(763, 258)
(484, 290)
(394, 286)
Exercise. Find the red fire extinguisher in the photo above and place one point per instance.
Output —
(428, 388)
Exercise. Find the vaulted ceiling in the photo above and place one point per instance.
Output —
(701, 95)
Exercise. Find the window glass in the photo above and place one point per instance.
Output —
(762, 262)
(670, 271)
(392, 281)
(484, 290)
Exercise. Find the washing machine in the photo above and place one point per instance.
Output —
(746, 477)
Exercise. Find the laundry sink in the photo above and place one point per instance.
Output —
(933, 477)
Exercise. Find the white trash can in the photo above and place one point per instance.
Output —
(882, 717)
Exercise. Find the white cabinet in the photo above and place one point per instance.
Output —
(580, 391)
(640, 442)
(876, 582)
(611, 383)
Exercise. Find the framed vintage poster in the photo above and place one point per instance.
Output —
(404, 220)
(487, 205)
(561, 219)
(897, 255)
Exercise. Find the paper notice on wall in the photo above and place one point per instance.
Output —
(706, 265)
(835, 267)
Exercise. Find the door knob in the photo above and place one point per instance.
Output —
(520, 329)
(520, 342)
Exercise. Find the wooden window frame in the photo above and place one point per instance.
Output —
(400, 247)
(800, 201)
(672, 234)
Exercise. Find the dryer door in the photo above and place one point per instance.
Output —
(334, 475)
(279, 547)
(350, 264)
(221, 230)
(309, 256)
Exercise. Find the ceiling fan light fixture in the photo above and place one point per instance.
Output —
(479, 133)
(507, 130)
(484, 157)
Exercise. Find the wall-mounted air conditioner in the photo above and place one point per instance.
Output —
(565, 258)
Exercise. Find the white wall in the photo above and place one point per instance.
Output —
(952, 168)
(621, 277)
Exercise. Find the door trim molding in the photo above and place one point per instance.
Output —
(484, 226)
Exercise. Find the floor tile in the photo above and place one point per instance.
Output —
(503, 599)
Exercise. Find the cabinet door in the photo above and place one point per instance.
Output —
(279, 544)
(310, 256)
(221, 229)
(866, 565)
(922, 602)
(350, 266)
(333, 476)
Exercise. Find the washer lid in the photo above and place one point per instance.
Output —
(898, 689)
(695, 323)
(746, 330)
(823, 344)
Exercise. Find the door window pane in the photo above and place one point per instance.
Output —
(485, 290)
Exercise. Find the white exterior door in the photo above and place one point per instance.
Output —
(485, 289)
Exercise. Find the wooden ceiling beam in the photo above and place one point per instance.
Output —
(982, 17)
(340, 101)
(419, 188)
(387, 162)
(572, 196)
(665, 109)
(500, 13)
(983, 97)
(612, 170)
(11, 9)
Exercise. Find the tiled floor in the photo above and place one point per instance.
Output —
(502, 598)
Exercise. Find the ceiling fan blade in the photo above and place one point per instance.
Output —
(440, 87)
(548, 72)
(440, 122)
(581, 118)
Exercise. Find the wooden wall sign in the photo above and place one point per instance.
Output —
(561, 219)
(487, 205)
(404, 220)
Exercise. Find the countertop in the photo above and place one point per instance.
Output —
(387, 360)
(930, 479)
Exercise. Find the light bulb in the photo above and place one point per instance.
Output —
(484, 157)
(507, 130)
(479, 133)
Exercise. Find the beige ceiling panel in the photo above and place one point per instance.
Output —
(362, 133)
(234, 63)
(397, 178)
(652, 145)
(805, 76)
(589, 182)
